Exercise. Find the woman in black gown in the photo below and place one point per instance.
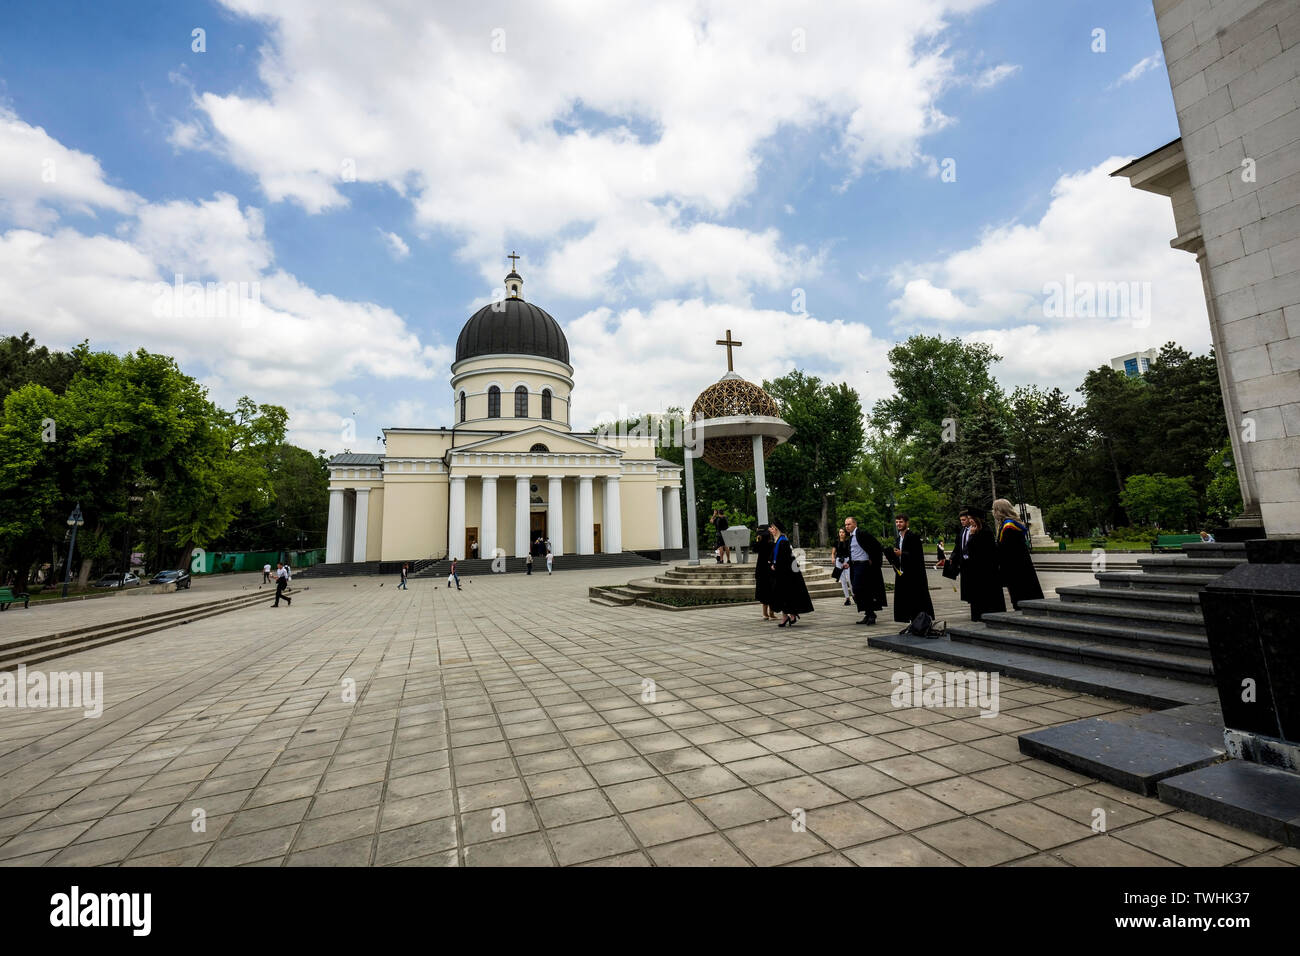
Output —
(979, 570)
(1015, 564)
(789, 593)
(763, 573)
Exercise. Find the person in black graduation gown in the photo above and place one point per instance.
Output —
(980, 585)
(789, 593)
(952, 566)
(911, 587)
(866, 559)
(1015, 564)
(763, 573)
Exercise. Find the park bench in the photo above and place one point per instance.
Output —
(1173, 542)
(8, 597)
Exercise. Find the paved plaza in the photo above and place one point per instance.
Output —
(515, 723)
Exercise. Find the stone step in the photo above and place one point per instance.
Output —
(1120, 754)
(1182, 564)
(1123, 634)
(1130, 597)
(1263, 800)
(1164, 618)
(1216, 549)
(1189, 583)
(37, 650)
(1122, 685)
(1140, 661)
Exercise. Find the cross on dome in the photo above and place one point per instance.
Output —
(730, 344)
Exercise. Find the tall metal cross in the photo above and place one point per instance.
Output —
(512, 257)
(730, 344)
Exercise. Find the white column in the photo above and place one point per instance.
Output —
(334, 531)
(586, 516)
(659, 509)
(693, 538)
(487, 526)
(456, 519)
(555, 513)
(611, 530)
(523, 529)
(760, 481)
(359, 529)
(674, 517)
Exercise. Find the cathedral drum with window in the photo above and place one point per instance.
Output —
(510, 469)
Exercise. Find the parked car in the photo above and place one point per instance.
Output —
(180, 578)
(116, 581)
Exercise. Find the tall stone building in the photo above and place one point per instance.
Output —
(1234, 179)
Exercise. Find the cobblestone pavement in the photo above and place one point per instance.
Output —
(505, 725)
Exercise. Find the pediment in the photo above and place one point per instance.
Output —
(520, 442)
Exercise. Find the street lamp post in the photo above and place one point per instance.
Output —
(75, 521)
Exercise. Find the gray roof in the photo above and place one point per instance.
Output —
(664, 461)
(512, 327)
(351, 458)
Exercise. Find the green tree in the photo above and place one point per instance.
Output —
(1075, 514)
(1186, 413)
(1223, 491)
(23, 362)
(924, 506)
(1159, 500)
(804, 472)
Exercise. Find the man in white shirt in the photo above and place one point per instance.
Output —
(266, 574)
(281, 582)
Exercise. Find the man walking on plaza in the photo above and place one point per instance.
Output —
(402, 586)
(266, 574)
(866, 558)
(281, 582)
(453, 576)
(911, 587)
(550, 558)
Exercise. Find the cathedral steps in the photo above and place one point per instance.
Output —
(1146, 623)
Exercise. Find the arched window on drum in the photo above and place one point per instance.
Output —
(494, 402)
(521, 402)
(546, 403)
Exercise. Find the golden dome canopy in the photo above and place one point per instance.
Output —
(731, 397)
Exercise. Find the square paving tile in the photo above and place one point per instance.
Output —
(664, 824)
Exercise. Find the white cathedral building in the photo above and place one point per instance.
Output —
(510, 470)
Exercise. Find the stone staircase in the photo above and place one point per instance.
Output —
(1146, 622)
(707, 583)
(563, 562)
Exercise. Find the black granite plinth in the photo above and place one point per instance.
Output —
(1260, 799)
(1244, 533)
(1250, 620)
(1126, 756)
(1273, 551)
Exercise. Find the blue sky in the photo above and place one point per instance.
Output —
(678, 176)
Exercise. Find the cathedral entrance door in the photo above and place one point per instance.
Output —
(595, 540)
(537, 525)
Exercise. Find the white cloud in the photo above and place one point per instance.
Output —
(279, 342)
(671, 347)
(1097, 229)
(575, 128)
(204, 239)
(1144, 65)
(40, 176)
(995, 75)
(397, 246)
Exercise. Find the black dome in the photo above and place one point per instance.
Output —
(517, 329)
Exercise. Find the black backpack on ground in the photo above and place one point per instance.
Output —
(923, 625)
